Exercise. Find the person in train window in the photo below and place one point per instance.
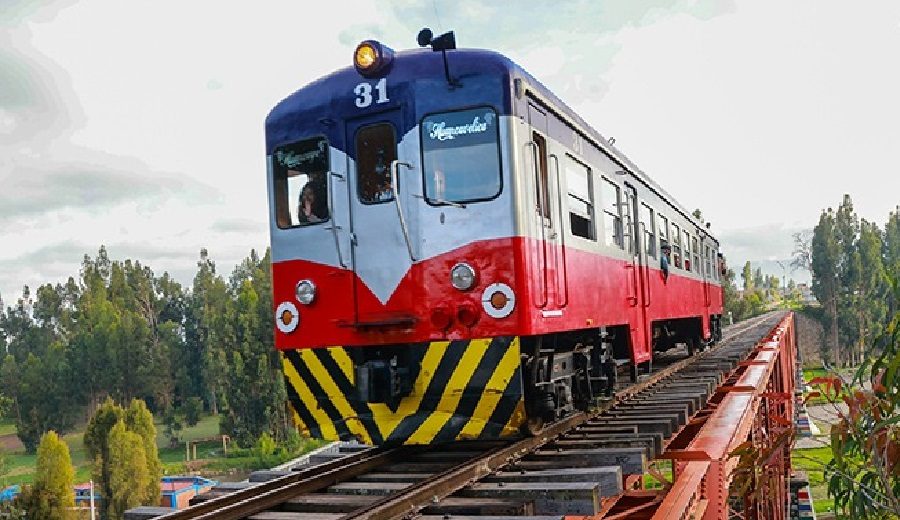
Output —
(664, 261)
(384, 192)
(311, 209)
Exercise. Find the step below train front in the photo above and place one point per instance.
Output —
(456, 255)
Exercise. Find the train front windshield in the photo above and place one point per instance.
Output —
(461, 155)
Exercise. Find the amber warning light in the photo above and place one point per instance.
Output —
(371, 58)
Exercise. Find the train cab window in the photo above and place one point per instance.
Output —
(461, 156)
(612, 218)
(676, 245)
(695, 253)
(662, 228)
(300, 172)
(581, 199)
(648, 226)
(376, 149)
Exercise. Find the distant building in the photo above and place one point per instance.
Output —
(177, 491)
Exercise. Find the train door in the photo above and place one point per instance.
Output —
(381, 246)
(640, 332)
(546, 251)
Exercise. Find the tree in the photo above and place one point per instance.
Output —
(3, 467)
(139, 420)
(192, 409)
(864, 474)
(747, 276)
(729, 294)
(801, 258)
(96, 441)
(202, 362)
(892, 254)
(825, 265)
(255, 388)
(129, 478)
(52, 496)
(759, 282)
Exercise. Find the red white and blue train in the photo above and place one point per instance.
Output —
(458, 255)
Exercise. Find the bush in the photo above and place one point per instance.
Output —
(293, 443)
(173, 428)
(192, 409)
(264, 450)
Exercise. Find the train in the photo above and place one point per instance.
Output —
(457, 255)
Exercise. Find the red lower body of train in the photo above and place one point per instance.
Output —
(434, 363)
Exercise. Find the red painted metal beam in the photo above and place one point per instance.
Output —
(754, 404)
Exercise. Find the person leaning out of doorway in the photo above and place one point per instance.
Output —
(664, 261)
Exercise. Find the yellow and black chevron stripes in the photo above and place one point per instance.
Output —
(469, 389)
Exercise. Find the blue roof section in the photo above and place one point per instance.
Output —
(9, 493)
(416, 83)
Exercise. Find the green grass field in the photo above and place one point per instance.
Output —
(7, 427)
(813, 462)
(20, 465)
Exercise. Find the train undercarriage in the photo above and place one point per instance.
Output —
(570, 371)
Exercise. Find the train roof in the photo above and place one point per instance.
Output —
(319, 99)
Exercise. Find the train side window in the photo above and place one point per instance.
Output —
(612, 220)
(542, 189)
(300, 172)
(676, 245)
(648, 223)
(663, 230)
(581, 199)
(695, 252)
(686, 239)
(708, 262)
(631, 241)
(376, 149)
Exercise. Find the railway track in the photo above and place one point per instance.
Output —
(567, 469)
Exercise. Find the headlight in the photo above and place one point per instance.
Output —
(306, 292)
(462, 276)
(372, 58)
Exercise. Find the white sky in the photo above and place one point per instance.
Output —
(139, 124)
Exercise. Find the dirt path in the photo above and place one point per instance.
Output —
(10, 443)
(824, 415)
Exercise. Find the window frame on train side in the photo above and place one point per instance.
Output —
(500, 170)
(649, 235)
(618, 240)
(281, 190)
(676, 245)
(686, 250)
(695, 252)
(590, 202)
(661, 236)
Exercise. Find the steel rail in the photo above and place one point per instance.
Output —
(255, 499)
(409, 501)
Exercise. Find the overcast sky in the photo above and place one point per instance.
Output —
(139, 124)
